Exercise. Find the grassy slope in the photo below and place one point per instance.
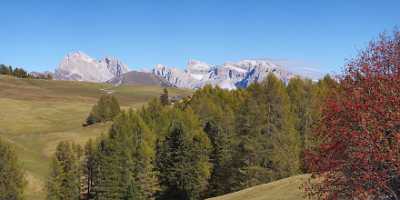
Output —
(285, 189)
(36, 114)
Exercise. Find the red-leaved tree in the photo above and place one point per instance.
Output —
(359, 153)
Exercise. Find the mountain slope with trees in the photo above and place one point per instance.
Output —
(37, 114)
(212, 143)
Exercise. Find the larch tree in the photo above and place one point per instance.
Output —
(64, 180)
(106, 108)
(12, 181)
(269, 146)
(125, 161)
(215, 108)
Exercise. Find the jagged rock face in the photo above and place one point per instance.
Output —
(197, 69)
(80, 67)
(228, 76)
(175, 77)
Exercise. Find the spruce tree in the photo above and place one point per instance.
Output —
(12, 181)
(182, 158)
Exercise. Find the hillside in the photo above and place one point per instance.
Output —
(37, 114)
(138, 78)
(285, 189)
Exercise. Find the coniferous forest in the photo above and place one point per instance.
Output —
(212, 143)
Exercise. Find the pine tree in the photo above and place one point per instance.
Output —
(12, 181)
(182, 158)
(64, 180)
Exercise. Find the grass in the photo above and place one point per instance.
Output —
(285, 189)
(37, 114)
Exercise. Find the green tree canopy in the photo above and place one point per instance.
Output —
(125, 161)
(64, 180)
(182, 158)
(12, 181)
(106, 109)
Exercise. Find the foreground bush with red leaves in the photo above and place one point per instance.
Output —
(359, 153)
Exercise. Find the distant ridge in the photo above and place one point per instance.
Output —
(139, 78)
(78, 66)
(230, 75)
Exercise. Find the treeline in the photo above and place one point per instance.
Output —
(21, 73)
(213, 143)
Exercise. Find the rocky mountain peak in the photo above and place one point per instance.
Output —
(79, 66)
(229, 75)
(197, 65)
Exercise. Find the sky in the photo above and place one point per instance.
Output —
(318, 34)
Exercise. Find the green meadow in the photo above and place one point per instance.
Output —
(37, 114)
(285, 189)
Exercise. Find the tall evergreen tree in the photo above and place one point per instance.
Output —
(64, 180)
(268, 145)
(124, 158)
(302, 94)
(280, 127)
(88, 168)
(214, 107)
(12, 181)
(182, 158)
(154, 115)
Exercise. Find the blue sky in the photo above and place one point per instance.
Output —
(319, 34)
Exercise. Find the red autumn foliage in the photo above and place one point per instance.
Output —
(359, 153)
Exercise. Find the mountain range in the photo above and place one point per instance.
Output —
(78, 66)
